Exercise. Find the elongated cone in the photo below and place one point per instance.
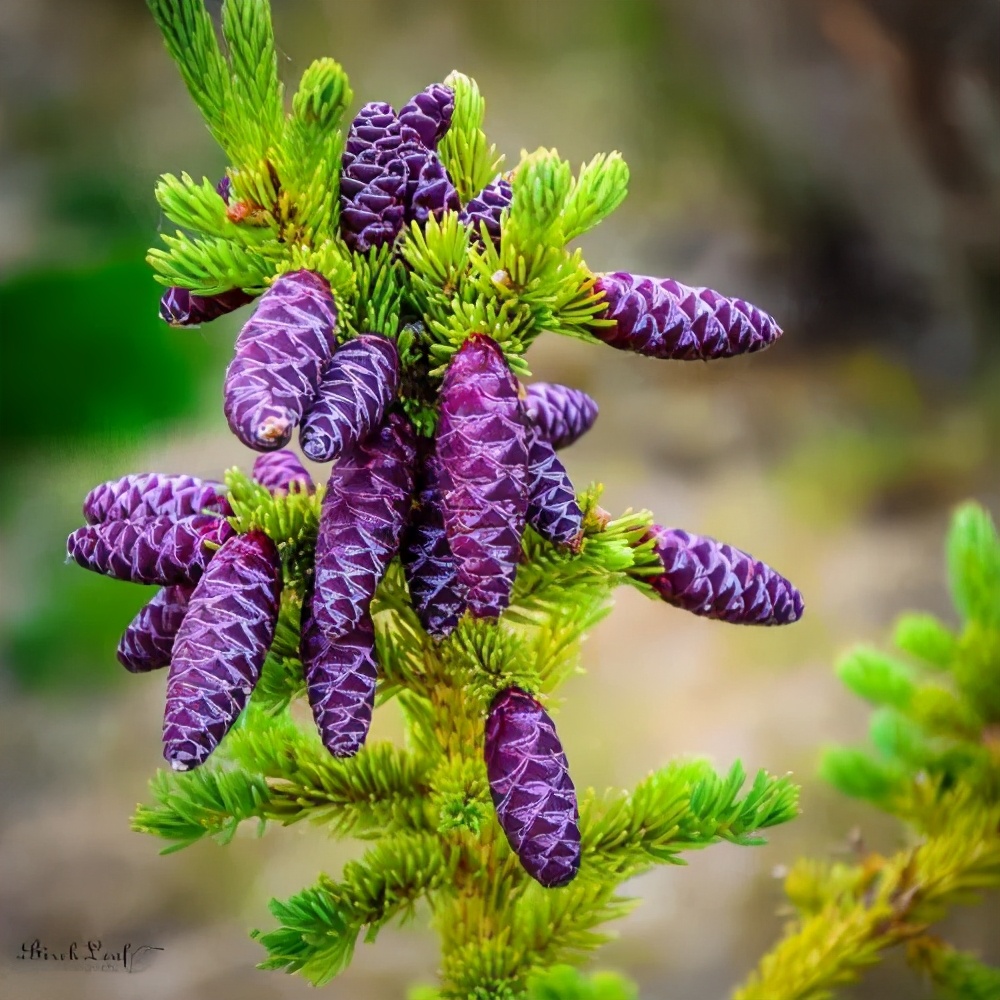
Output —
(280, 356)
(430, 568)
(152, 494)
(340, 678)
(359, 383)
(430, 193)
(220, 648)
(361, 524)
(277, 470)
(719, 581)
(429, 113)
(531, 788)
(482, 456)
(661, 318)
(560, 414)
(552, 507)
(487, 207)
(155, 550)
(148, 642)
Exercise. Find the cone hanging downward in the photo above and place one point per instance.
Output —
(531, 788)
(559, 413)
(148, 642)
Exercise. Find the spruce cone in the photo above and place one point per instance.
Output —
(340, 678)
(561, 415)
(180, 307)
(277, 470)
(661, 318)
(359, 383)
(372, 199)
(487, 207)
(429, 113)
(531, 788)
(220, 648)
(155, 550)
(715, 580)
(372, 125)
(430, 568)
(280, 356)
(430, 192)
(152, 494)
(552, 508)
(483, 460)
(364, 512)
(149, 640)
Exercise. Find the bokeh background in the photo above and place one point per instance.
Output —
(834, 161)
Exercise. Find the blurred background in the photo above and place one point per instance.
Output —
(834, 161)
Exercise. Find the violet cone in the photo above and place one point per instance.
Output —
(152, 494)
(429, 113)
(431, 193)
(428, 565)
(155, 550)
(372, 198)
(487, 207)
(482, 457)
(531, 788)
(220, 648)
(661, 318)
(361, 524)
(278, 470)
(553, 510)
(280, 356)
(560, 414)
(373, 124)
(148, 642)
(719, 581)
(340, 676)
(359, 383)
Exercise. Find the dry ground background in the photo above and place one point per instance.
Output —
(835, 161)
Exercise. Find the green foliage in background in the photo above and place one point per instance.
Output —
(935, 766)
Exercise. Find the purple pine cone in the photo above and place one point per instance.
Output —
(552, 508)
(340, 678)
(715, 580)
(277, 470)
(364, 512)
(280, 356)
(429, 113)
(359, 383)
(149, 640)
(661, 318)
(560, 415)
(483, 459)
(374, 123)
(430, 568)
(220, 648)
(155, 550)
(531, 788)
(180, 307)
(372, 198)
(431, 192)
(152, 494)
(486, 207)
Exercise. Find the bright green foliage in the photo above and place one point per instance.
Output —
(936, 766)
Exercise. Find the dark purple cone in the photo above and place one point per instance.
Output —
(277, 470)
(560, 415)
(708, 578)
(531, 788)
(361, 523)
(552, 508)
(431, 193)
(359, 383)
(374, 123)
(340, 681)
(661, 318)
(152, 494)
(179, 307)
(220, 648)
(482, 459)
(372, 198)
(156, 550)
(429, 113)
(487, 207)
(430, 568)
(280, 356)
(149, 640)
